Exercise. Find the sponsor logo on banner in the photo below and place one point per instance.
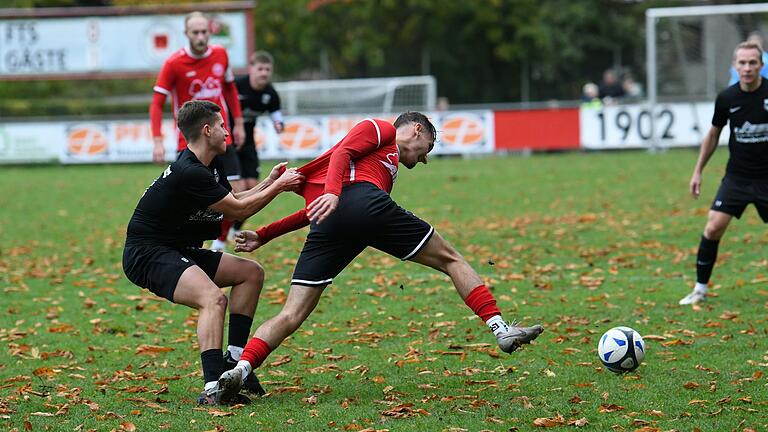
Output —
(259, 138)
(337, 127)
(221, 33)
(87, 141)
(159, 41)
(300, 135)
(462, 130)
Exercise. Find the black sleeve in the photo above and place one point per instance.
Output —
(201, 186)
(720, 117)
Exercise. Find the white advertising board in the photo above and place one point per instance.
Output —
(629, 126)
(107, 44)
(460, 132)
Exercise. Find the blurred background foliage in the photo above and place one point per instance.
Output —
(481, 52)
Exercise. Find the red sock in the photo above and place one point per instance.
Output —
(482, 303)
(255, 352)
(226, 224)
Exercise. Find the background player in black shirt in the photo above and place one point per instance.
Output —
(257, 96)
(745, 106)
(182, 208)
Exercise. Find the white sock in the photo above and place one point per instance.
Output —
(497, 325)
(209, 385)
(235, 352)
(245, 366)
(700, 287)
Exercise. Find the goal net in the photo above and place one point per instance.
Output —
(690, 49)
(353, 96)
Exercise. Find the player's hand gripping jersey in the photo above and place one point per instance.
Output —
(367, 153)
(185, 77)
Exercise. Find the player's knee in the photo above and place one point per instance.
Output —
(256, 274)
(215, 300)
(714, 230)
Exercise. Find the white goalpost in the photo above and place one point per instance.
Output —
(689, 51)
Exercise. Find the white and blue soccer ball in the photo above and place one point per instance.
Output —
(621, 349)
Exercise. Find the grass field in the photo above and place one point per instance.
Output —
(579, 242)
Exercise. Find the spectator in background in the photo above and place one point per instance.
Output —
(590, 96)
(632, 88)
(442, 104)
(754, 38)
(611, 89)
(257, 96)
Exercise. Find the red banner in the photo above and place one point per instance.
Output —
(545, 129)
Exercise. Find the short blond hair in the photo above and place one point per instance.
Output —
(749, 45)
(194, 14)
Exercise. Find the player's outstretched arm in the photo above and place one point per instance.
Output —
(247, 241)
(276, 172)
(708, 147)
(234, 208)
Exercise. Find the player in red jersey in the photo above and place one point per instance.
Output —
(349, 208)
(196, 72)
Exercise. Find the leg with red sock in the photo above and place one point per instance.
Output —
(301, 301)
(509, 337)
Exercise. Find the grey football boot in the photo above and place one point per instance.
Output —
(229, 385)
(516, 336)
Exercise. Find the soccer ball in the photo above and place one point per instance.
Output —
(621, 349)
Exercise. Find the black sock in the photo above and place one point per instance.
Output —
(238, 225)
(705, 259)
(213, 364)
(239, 329)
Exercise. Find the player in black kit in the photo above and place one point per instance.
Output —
(257, 96)
(745, 106)
(182, 208)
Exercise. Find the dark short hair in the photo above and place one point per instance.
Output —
(416, 117)
(195, 114)
(262, 57)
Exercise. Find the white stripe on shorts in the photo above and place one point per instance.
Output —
(307, 282)
(421, 243)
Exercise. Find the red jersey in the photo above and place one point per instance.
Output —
(368, 153)
(186, 77)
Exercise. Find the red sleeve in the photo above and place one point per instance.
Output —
(156, 114)
(166, 79)
(283, 226)
(363, 139)
(233, 102)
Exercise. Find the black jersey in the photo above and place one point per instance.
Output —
(747, 113)
(255, 102)
(174, 209)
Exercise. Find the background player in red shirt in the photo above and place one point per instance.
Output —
(198, 71)
(349, 208)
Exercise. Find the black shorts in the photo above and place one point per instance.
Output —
(158, 267)
(735, 194)
(365, 216)
(230, 163)
(249, 160)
